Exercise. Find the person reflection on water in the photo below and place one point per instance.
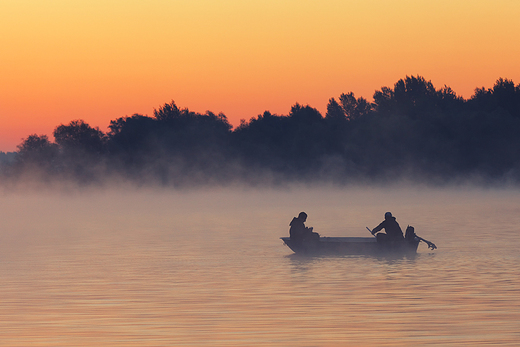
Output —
(299, 232)
(393, 231)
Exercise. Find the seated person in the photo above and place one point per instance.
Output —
(299, 232)
(392, 229)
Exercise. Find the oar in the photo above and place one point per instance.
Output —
(370, 231)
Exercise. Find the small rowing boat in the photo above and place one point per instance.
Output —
(358, 245)
(351, 246)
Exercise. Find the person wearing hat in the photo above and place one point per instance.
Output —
(393, 231)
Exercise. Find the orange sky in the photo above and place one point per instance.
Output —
(98, 60)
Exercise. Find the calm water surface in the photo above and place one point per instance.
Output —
(207, 268)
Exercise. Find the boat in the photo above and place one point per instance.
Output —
(351, 246)
(359, 245)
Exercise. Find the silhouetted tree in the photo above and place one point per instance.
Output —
(82, 151)
(37, 149)
(335, 112)
(78, 136)
(136, 134)
(411, 97)
(354, 108)
(167, 111)
(503, 95)
(36, 156)
(262, 143)
(306, 140)
(171, 144)
(305, 114)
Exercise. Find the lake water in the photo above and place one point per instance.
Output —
(207, 268)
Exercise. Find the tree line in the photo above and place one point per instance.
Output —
(410, 131)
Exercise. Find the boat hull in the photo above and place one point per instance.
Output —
(351, 245)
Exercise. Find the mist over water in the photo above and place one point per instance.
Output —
(206, 267)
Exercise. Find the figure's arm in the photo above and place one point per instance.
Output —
(378, 228)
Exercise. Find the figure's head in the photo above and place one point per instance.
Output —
(388, 215)
(302, 216)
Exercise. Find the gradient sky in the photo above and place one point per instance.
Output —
(98, 60)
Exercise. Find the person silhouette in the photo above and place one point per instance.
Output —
(392, 232)
(299, 232)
